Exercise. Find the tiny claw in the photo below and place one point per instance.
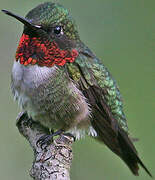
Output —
(47, 138)
(70, 135)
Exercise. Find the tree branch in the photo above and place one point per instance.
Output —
(52, 161)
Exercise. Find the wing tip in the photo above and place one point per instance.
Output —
(144, 167)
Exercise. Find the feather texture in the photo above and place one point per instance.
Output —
(108, 119)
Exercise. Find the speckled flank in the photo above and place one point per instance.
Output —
(49, 96)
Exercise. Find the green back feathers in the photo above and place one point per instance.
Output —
(94, 73)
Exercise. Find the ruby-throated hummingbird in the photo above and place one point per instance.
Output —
(61, 83)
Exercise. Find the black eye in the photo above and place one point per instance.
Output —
(57, 30)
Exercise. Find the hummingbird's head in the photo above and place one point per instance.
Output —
(50, 36)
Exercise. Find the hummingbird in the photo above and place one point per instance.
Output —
(60, 83)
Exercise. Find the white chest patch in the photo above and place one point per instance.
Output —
(26, 78)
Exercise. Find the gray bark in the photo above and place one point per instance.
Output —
(51, 161)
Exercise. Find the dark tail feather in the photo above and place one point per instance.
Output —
(129, 153)
(119, 143)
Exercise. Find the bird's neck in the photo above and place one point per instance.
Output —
(36, 50)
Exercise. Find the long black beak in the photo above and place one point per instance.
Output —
(22, 20)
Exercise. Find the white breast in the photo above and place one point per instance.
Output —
(27, 78)
(30, 76)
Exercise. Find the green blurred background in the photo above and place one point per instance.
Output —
(122, 34)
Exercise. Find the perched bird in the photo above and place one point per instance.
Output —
(59, 82)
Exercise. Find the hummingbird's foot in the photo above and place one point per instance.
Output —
(47, 138)
(70, 135)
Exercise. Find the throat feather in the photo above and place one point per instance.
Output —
(34, 50)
